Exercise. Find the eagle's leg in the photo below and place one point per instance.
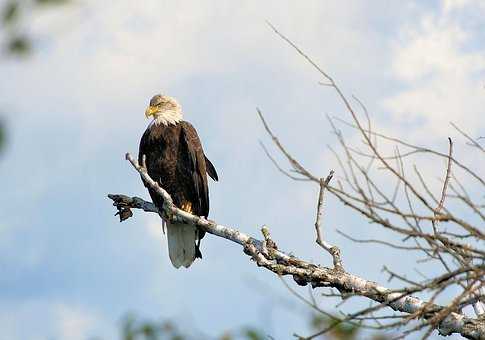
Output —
(172, 218)
(187, 206)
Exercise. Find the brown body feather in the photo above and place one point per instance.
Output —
(176, 160)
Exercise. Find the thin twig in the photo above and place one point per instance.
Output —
(446, 181)
(331, 249)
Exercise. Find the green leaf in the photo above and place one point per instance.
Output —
(2, 136)
(51, 2)
(19, 45)
(342, 331)
(148, 330)
(345, 331)
(253, 334)
(10, 12)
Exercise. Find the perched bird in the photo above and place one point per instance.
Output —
(175, 159)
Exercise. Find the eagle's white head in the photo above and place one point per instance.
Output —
(164, 110)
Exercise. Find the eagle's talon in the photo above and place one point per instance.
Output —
(170, 217)
(177, 219)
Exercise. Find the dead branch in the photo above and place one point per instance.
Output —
(303, 272)
(460, 256)
(331, 249)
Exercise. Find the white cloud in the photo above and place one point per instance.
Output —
(38, 319)
(442, 67)
(456, 5)
(112, 59)
(450, 5)
(74, 322)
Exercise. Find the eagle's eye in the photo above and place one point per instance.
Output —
(156, 100)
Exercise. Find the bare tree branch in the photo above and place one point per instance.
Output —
(457, 245)
(331, 249)
(445, 186)
(303, 272)
(472, 141)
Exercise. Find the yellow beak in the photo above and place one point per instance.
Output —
(150, 111)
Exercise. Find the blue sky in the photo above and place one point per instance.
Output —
(70, 270)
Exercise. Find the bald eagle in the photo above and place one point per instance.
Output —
(175, 159)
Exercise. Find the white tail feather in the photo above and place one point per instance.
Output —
(181, 244)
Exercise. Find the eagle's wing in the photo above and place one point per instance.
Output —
(141, 149)
(197, 166)
(211, 170)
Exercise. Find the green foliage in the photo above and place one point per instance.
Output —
(52, 2)
(340, 331)
(2, 135)
(19, 46)
(10, 12)
(253, 334)
(133, 329)
(16, 42)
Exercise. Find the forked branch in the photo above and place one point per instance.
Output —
(266, 254)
